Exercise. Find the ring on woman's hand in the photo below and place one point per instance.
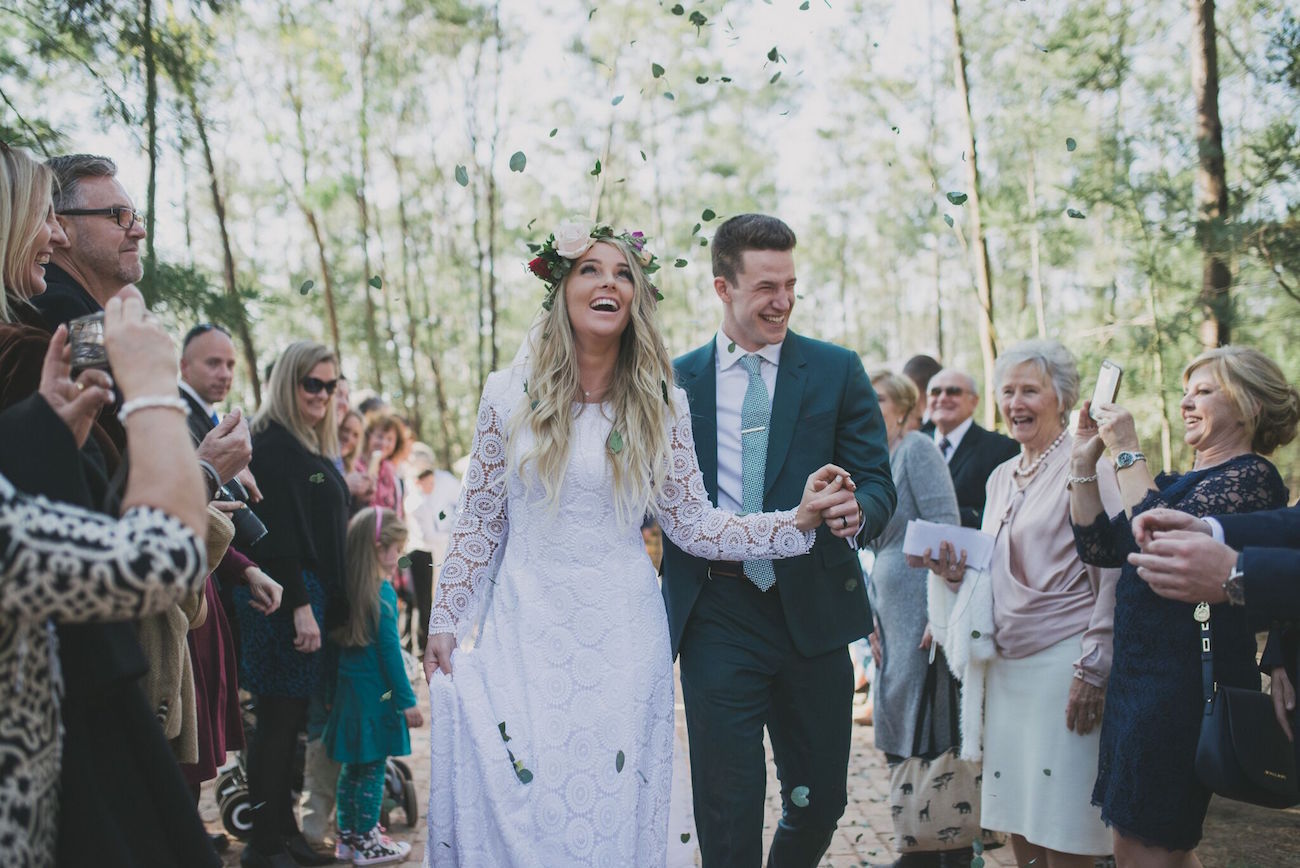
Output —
(844, 521)
(81, 387)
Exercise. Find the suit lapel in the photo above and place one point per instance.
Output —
(698, 376)
(967, 448)
(791, 377)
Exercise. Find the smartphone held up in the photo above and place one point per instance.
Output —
(1107, 386)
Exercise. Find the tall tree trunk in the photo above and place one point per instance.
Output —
(372, 329)
(983, 271)
(227, 255)
(492, 186)
(1211, 181)
(1035, 264)
(412, 318)
(151, 137)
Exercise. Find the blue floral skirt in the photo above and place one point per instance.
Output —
(269, 665)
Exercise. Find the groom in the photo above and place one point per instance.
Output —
(763, 643)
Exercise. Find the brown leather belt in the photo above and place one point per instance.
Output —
(726, 570)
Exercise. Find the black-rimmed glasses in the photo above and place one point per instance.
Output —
(315, 385)
(126, 218)
(950, 391)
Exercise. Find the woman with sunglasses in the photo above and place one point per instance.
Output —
(305, 509)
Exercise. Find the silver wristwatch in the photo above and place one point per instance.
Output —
(1128, 459)
(1235, 586)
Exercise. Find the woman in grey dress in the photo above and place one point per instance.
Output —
(898, 598)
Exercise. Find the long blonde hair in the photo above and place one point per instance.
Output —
(364, 574)
(639, 396)
(282, 399)
(25, 202)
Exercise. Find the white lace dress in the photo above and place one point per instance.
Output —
(552, 739)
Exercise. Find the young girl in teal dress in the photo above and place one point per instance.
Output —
(374, 703)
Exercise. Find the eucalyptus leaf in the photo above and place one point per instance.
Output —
(615, 442)
(701, 79)
(957, 198)
(377, 282)
(306, 287)
(707, 214)
(554, 130)
(316, 478)
(404, 562)
(656, 70)
(680, 263)
(773, 54)
(668, 95)
(686, 837)
(663, 384)
(799, 797)
(616, 100)
(502, 728)
(698, 19)
(695, 228)
(462, 176)
(731, 347)
(518, 161)
(618, 762)
(1047, 772)
(1071, 144)
(442, 515)
(596, 171)
(803, 7)
(678, 10)
(724, 79)
(1075, 213)
(947, 218)
(773, 79)
(643, 157)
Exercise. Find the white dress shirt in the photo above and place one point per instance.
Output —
(733, 382)
(953, 437)
(208, 409)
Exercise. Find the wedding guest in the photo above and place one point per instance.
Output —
(970, 450)
(919, 369)
(431, 510)
(1031, 637)
(305, 510)
(1237, 406)
(898, 603)
(62, 563)
(384, 439)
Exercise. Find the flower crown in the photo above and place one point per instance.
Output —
(553, 258)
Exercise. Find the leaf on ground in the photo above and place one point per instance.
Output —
(518, 161)
(957, 198)
(306, 287)
(462, 176)
(799, 797)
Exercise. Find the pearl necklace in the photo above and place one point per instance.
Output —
(1031, 469)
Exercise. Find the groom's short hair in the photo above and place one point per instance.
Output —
(747, 232)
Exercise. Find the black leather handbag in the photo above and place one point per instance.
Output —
(1242, 753)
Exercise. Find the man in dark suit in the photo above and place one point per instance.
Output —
(763, 644)
(1250, 560)
(971, 451)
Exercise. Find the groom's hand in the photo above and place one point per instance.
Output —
(844, 515)
(437, 654)
(821, 492)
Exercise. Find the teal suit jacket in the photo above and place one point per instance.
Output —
(823, 411)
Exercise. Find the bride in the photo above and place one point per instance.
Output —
(552, 735)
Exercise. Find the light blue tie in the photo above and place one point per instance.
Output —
(754, 415)
(215, 420)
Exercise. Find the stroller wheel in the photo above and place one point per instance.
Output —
(237, 815)
(412, 805)
(402, 767)
(229, 782)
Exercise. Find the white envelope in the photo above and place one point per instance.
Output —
(922, 535)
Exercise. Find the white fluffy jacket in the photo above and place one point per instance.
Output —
(962, 623)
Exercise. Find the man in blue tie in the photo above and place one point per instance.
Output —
(763, 644)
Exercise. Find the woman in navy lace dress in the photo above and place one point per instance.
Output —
(1236, 407)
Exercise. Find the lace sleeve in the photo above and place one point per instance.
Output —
(1101, 544)
(479, 534)
(62, 562)
(703, 530)
(1245, 484)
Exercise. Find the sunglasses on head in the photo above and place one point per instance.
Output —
(950, 391)
(315, 385)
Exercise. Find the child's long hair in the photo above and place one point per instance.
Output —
(363, 577)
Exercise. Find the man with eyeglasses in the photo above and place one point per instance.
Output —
(972, 452)
(104, 233)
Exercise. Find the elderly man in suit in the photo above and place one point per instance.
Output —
(764, 644)
(971, 451)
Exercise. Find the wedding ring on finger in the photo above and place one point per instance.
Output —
(844, 521)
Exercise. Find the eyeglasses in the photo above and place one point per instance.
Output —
(950, 391)
(315, 385)
(126, 218)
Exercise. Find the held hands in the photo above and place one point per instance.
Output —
(947, 566)
(139, 349)
(306, 631)
(265, 591)
(1146, 525)
(437, 654)
(1083, 709)
(76, 403)
(414, 719)
(828, 490)
(228, 447)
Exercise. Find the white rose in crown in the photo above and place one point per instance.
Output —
(573, 237)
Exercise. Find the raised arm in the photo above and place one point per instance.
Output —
(62, 562)
(705, 531)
